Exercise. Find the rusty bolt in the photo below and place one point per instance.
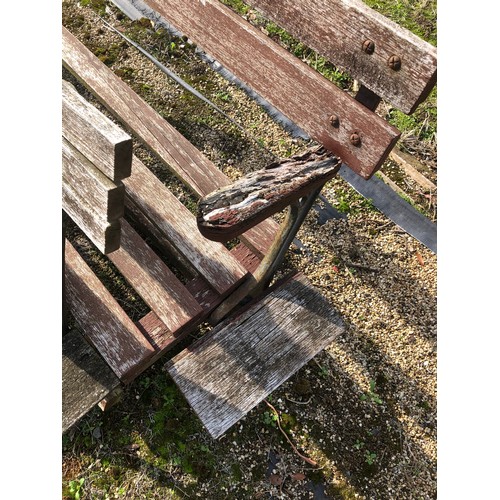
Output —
(355, 139)
(394, 63)
(368, 47)
(334, 121)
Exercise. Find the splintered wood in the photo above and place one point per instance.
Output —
(228, 212)
(227, 373)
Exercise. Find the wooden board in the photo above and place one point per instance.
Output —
(93, 201)
(229, 371)
(190, 165)
(86, 379)
(337, 30)
(83, 176)
(227, 212)
(105, 144)
(178, 225)
(287, 83)
(103, 321)
(158, 286)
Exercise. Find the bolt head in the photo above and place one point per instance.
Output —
(368, 46)
(355, 139)
(394, 63)
(334, 121)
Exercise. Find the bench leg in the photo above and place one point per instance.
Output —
(263, 275)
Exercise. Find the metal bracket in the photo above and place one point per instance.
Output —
(261, 278)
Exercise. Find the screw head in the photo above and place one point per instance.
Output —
(368, 46)
(394, 62)
(355, 139)
(334, 121)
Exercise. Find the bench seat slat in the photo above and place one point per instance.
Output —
(154, 281)
(290, 85)
(190, 165)
(233, 368)
(178, 225)
(337, 30)
(86, 378)
(103, 321)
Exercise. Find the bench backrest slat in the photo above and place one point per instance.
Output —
(198, 173)
(91, 199)
(104, 143)
(293, 87)
(338, 30)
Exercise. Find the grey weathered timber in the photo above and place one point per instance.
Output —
(105, 144)
(289, 84)
(82, 175)
(86, 378)
(178, 225)
(229, 211)
(92, 200)
(154, 281)
(341, 30)
(198, 173)
(229, 371)
(103, 321)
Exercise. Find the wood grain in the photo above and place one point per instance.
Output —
(287, 83)
(103, 321)
(86, 378)
(105, 144)
(190, 165)
(154, 281)
(93, 201)
(178, 225)
(229, 371)
(337, 30)
(229, 211)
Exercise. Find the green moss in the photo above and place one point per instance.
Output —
(98, 6)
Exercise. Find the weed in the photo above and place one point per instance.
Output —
(270, 418)
(359, 444)
(370, 457)
(371, 395)
(324, 371)
(75, 488)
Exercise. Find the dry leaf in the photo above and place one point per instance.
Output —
(298, 476)
(275, 480)
(420, 259)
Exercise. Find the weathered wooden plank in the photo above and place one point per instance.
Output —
(341, 30)
(103, 321)
(229, 371)
(178, 225)
(105, 144)
(227, 212)
(287, 83)
(158, 286)
(84, 177)
(86, 378)
(105, 235)
(190, 165)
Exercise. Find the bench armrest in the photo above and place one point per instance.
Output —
(228, 212)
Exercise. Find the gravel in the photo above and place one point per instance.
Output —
(365, 408)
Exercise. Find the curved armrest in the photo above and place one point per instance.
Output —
(232, 210)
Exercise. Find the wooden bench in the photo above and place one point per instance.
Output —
(263, 334)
